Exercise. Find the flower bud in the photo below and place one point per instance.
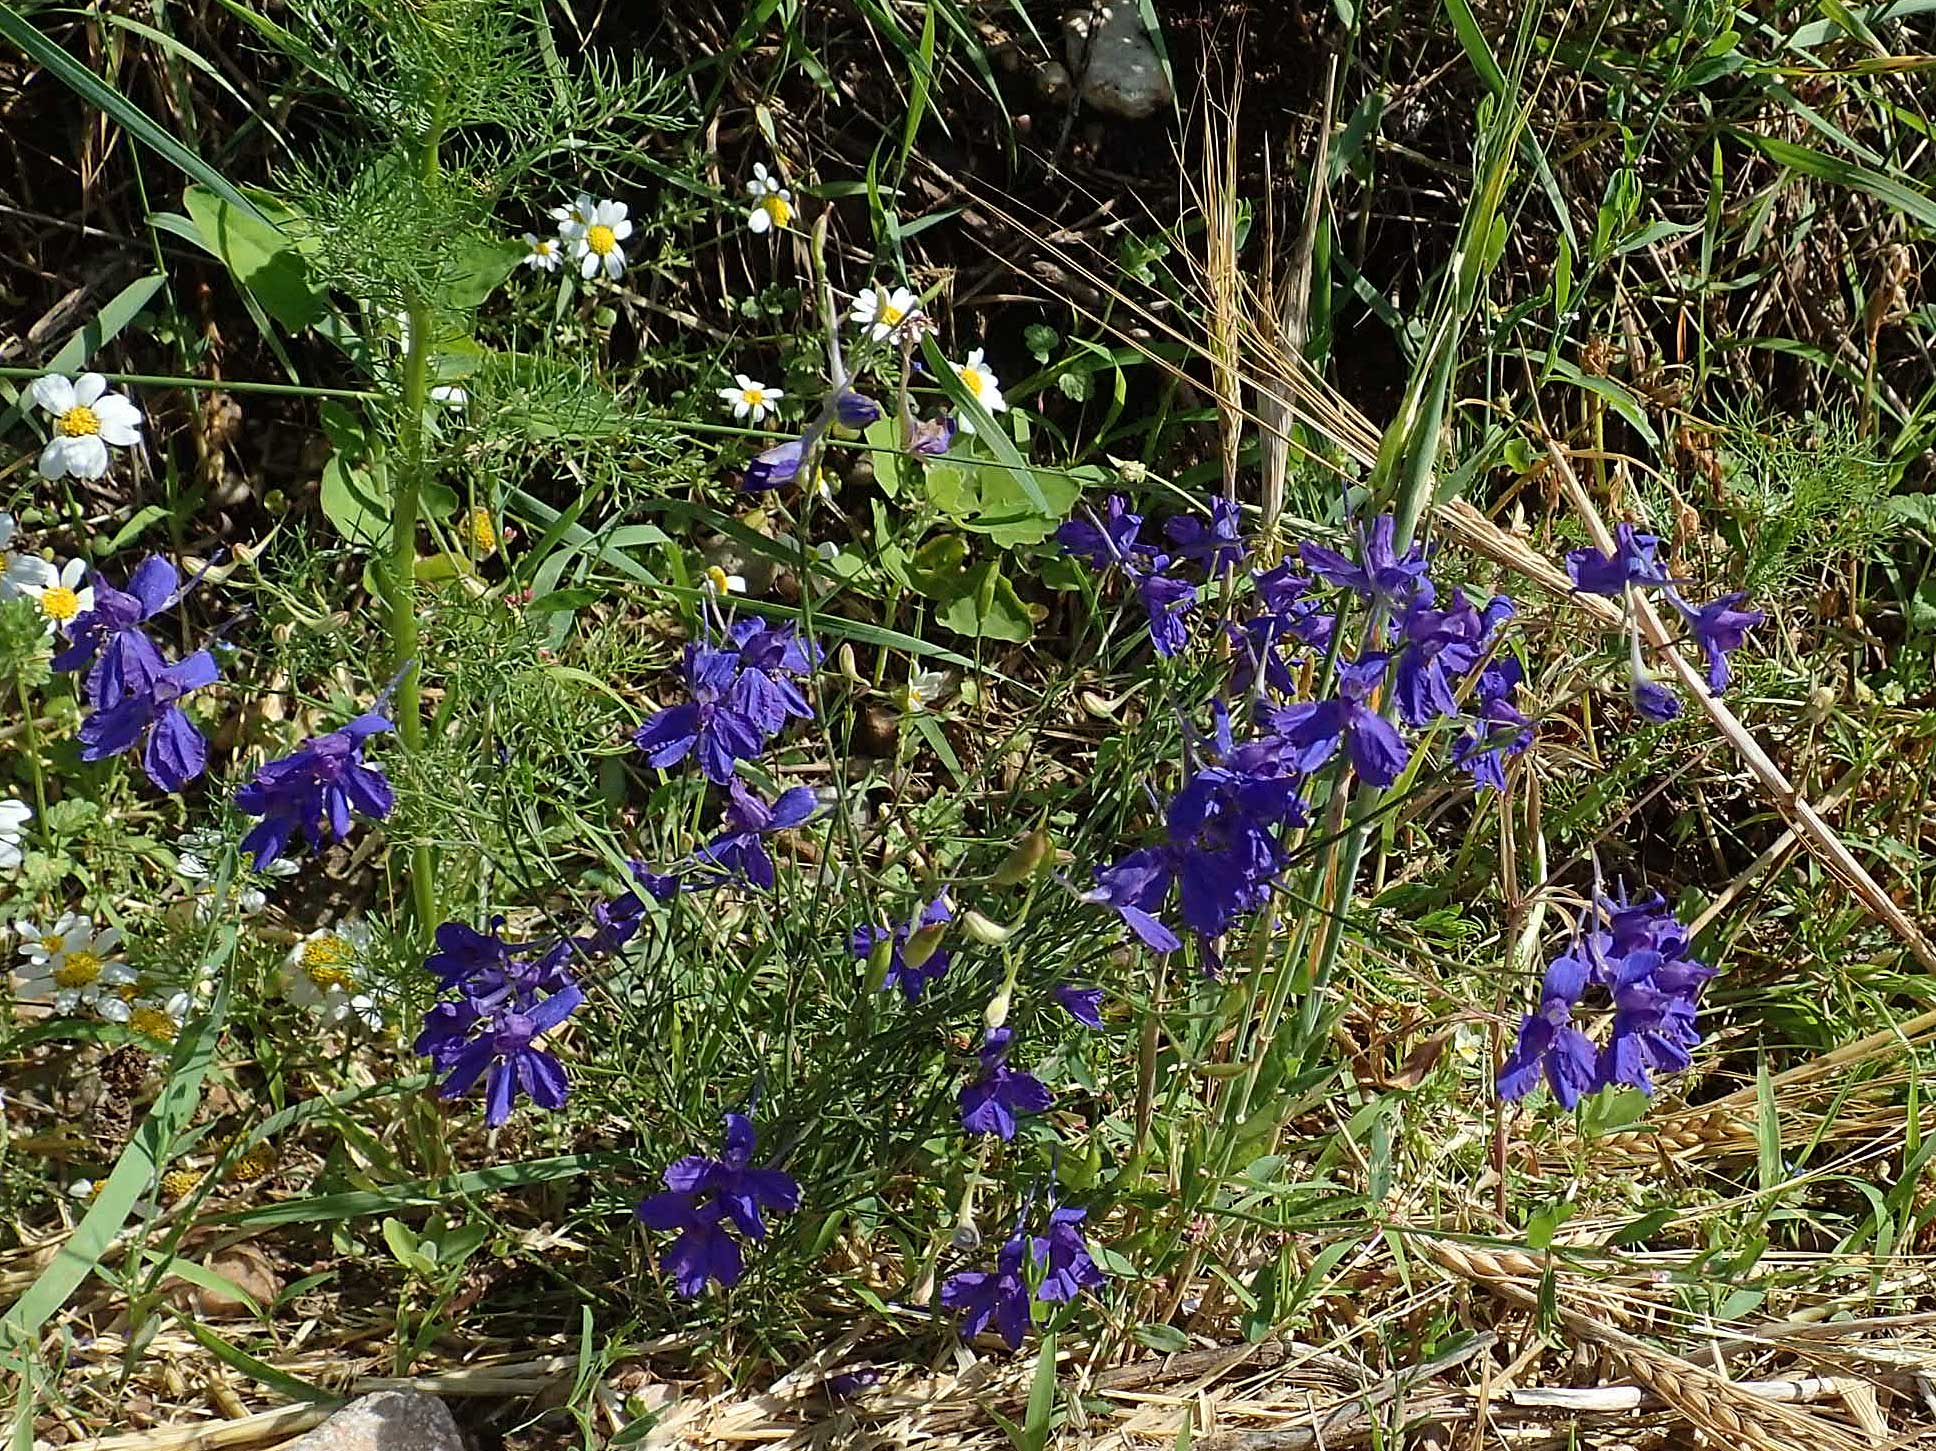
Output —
(855, 410)
(981, 929)
(923, 944)
(1030, 855)
(997, 1012)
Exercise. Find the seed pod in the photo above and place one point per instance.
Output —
(922, 945)
(1030, 855)
(984, 930)
(997, 1012)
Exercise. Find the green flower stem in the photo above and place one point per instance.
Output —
(400, 582)
(30, 727)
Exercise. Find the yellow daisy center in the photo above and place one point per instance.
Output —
(890, 314)
(543, 249)
(601, 239)
(53, 944)
(718, 580)
(972, 380)
(325, 962)
(482, 533)
(152, 1022)
(753, 397)
(80, 421)
(778, 208)
(80, 969)
(58, 602)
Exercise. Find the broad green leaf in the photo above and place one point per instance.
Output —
(990, 609)
(883, 437)
(259, 256)
(353, 503)
(477, 267)
(989, 498)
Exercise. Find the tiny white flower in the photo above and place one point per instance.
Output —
(158, 1017)
(772, 203)
(75, 966)
(751, 400)
(925, 688)
(575, 213)
(981, 384)
(282, 866)
(450, 395)
(324, 974)
(595, 240)
(82, 1189)
(59, 592)
(14, 816)
(719, 583)
(251, 900)
(191, 866)
(7, 528)
(881, 312)
(9, 589)
(87, 418)
(545, 254)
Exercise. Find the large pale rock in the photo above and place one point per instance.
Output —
(1112, 53)
(386, 1421)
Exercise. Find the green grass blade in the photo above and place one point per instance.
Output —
(1823, 167)
(117, 107)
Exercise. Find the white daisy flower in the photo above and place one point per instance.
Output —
(751, 400)
(545, 254)
(881, 311)
(772, 203)
(8, 588)
(981, 384)
(59, 592)
(595, 240)
(575, 213)
(75, 966)
(924, 688)
(324, 974)
(87, 418)
(158, 1017)
(450, 395)
(14, 816)
(719, 583)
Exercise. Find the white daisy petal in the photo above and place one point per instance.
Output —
(88, 387)
(53, 393)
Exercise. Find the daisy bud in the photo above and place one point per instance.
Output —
(987, 932)
(1030, 855)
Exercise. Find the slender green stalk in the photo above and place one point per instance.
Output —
(209, 385)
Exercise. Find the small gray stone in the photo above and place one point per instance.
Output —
(1112, 53)
(385, 1421)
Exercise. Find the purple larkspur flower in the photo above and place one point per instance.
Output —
(1549, 1042)
(108, 640)
(1499, 728)
(855, 410)
(1655, 701)
(1382, 573)
(1135, 888)
(775, 466)
(175, 753)
(1313, 731)
(912, 981)
(703, 1196)
(1105, 541)
(1084, 1004)
(739, 850)
(1641, 958)
(992, 1103)
(1049, 1269)
(467, 1042)
(1718, 628)
(932, 438)
(742, 694)
(1216, 546)
(1439, 648)
(1165, 600)
(1631, 563)
(314, 789)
